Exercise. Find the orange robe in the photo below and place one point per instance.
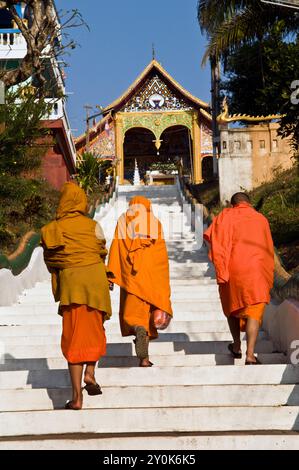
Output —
(243, 255)
(74, 252)
(83, 335)
(139, 262)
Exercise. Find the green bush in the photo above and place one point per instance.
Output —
(26, 204)
(278, 201)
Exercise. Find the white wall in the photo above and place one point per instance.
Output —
(13, 286)
(235, 174)
(281, 322)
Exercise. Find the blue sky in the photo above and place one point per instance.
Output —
(119, 46)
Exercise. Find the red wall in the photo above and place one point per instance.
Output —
(58, 164)
(54, 169)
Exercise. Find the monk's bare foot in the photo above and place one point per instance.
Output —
(76, 403)
(71, 405)
(251, 359)
(89, 379)
(145, 363)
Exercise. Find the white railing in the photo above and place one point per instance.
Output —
(12, 46)
(59, 112)
(70, 138)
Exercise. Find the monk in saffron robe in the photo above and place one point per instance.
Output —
(139, 262)
(74, 252)
(242, 251)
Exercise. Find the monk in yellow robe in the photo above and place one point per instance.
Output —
(242, 251)
(74, 252)
(139, 262)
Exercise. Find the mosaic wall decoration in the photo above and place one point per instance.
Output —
(155, 96)
(157, 123)
(206, 140)
(104, 144)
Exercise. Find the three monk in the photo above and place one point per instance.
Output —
(74, 252)
(242, 251)
(139, 262)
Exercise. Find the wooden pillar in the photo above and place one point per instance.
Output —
(119, 147)
(197, 161)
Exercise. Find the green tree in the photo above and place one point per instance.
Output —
(228, 24)
(21, 131)
(250, 91)
(27, 201)
(244, 34)
(41, 31)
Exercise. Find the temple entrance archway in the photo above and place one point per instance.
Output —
(155, 120)
(176, 145)
(140, 144)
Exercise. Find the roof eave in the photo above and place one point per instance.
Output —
(155, 64)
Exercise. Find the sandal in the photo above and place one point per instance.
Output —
(69, 406)
(141, 345)
(253, 363)
(233, 353)
(93, 389)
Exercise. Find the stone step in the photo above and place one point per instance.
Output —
(194, 282)
(161, 397)
(123, 377)
(183, 393)
(26, 317)
(149, 420)
(219, 326)
(176, 292)
(191, 360)
(117, 338)
(201, 299)
(176, 282)
(127, 349)
(242, 441)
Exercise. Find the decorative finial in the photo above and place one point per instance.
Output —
(153, 51)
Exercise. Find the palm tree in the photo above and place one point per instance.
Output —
(230, 23)
(88, 172)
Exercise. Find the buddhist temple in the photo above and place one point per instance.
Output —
(155, 122)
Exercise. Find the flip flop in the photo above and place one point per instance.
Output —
(93, 389)
(253, 363)
(141, 345)
(233, 353)
(69, 406)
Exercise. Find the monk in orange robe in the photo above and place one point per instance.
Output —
(139, 262)
(242, 251)
(74, 252)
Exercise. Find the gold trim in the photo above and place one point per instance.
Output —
(206, 114)
(155, 64)
(225, 117)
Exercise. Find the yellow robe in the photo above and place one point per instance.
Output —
(74, 252)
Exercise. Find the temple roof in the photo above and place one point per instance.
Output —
(155, 65)
(93, 130)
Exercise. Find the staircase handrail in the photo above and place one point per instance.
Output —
(20, 258)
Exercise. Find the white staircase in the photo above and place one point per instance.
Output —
(194, 397)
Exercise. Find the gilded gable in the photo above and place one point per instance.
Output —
(155, 95)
